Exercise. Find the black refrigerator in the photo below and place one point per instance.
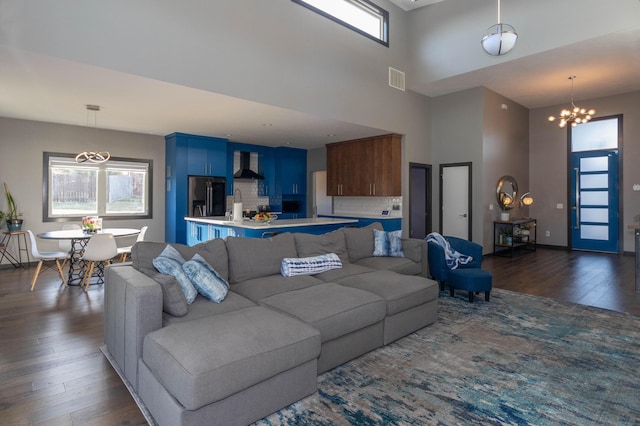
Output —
(207, 196)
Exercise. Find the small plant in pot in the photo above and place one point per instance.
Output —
(11, 216)
(506, 204)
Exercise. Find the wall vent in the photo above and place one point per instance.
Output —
(396, 79)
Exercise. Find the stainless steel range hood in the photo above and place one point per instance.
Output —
(245, 171)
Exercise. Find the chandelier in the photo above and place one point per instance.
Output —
(499, 38)
(93, 156)
(575, 115)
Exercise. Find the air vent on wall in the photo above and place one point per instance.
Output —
(396, 79)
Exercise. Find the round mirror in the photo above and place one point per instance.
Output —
(506, 192)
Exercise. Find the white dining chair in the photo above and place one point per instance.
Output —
(100, 249)
(123, 252)
(44, 257)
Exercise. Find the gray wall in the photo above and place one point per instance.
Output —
(548, 164)
(505, 152)
(23, 143)
(457, 137)
(274, 52)
(472, 126)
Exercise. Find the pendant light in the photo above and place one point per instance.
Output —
(500, 38)
(575, 115)
(93, 156)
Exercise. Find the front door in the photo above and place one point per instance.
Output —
(594, 186)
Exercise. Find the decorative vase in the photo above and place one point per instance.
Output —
(504, 216)
(14, 224)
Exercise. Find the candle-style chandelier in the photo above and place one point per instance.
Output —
(575, 115)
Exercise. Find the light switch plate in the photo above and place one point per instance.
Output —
(559, 206)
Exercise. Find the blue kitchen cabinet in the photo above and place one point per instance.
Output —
(188, 155)
(200, 232)
(291, 166)
(291, 179)
(206, 156)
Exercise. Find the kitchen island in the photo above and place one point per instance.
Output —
(201, 229)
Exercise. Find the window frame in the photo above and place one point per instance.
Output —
(46, 217)
(364, 4)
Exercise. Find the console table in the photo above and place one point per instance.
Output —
(513, 237)
(16, 261)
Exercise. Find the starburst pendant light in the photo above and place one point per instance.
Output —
(499, 38)
(93, 156)
(575, 115)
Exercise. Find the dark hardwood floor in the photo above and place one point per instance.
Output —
(52, 372)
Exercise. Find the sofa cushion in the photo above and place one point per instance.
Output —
(213, 251)
(401, 292)
(347, 270)
(173, 300)
(205, 279)
(255, 257)
(169, 262)
(333, 309)
(203, 361)
(292, 266)
(201, 308)
(387, 243)
(314, 245)
(401, 265)
(360, 241)
(412, 248)
(259, 288)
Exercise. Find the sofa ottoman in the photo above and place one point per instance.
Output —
(210, 360)
(349, 319)
(411, 301)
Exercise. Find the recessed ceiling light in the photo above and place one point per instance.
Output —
(331, 135)
(267, 124)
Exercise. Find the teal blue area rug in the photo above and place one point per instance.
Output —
(516, 360)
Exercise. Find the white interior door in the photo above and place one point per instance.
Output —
(454, 193)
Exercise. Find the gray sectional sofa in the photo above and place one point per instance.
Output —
(263, 346)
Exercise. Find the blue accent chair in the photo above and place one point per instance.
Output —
(469, 277)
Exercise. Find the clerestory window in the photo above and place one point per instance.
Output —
(361, 16)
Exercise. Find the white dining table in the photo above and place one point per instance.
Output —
(79, 239)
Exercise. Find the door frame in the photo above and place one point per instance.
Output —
(429, 194)
(469, 165)
(620, 183)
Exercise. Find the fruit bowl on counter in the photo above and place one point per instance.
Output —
(264, 217)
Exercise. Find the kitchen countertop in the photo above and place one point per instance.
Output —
(363, 216)
(278, 223)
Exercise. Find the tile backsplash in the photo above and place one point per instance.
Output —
(250, 198)
(367, 205)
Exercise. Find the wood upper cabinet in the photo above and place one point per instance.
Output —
(365, 167)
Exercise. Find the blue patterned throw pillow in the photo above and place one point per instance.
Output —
(170, 262)
(387, 243)
(292, 266)
(205, 279)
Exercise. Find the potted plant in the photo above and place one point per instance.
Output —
(506, 204)
(12, 214)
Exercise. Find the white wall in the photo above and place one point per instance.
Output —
(21, 167)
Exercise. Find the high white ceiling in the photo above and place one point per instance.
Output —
(43, 88)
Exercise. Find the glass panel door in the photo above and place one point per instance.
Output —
(594, 191)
